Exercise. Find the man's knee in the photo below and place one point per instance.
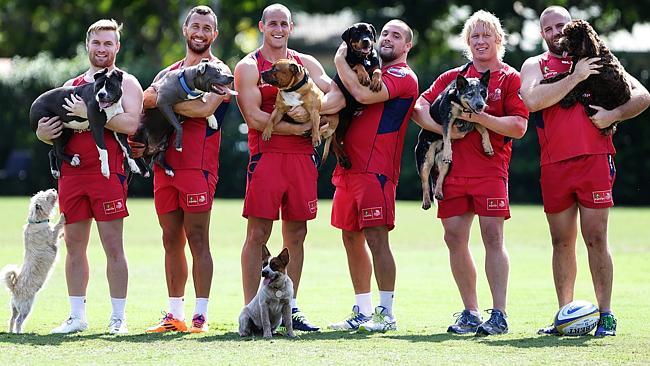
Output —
(377, 238)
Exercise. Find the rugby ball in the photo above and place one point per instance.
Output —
(577, 318)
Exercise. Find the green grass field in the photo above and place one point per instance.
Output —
(426, 298)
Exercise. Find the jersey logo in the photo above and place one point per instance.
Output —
(602, 196)
(497, 204)
(496, 95)
(372, 213)
(197, 199)
(399, 72)
(112, 207)
(313, 206)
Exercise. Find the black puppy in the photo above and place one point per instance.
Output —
(157, 124)
(362, 58)
(433, 150)
(102, 99)
(608, 89)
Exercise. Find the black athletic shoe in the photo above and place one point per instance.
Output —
(465, 323)
(497, 324)
(300, 322)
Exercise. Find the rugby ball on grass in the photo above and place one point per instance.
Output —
(577, 318)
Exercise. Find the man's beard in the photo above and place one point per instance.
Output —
(553, 47)
(108, 62)
(198, 50)
(387, 56)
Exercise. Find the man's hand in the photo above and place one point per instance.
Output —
(603, 118)
(48, 129)
(150, 97)
(137, 148)
(299, 114)
(585, 67)
(75, 106)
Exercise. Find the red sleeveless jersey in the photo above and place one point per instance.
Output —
(82, 143)
(278, 143)
(503, 100)
(566, 133)
(201, 143)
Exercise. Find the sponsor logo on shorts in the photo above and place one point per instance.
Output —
(602, 196)
(372, 213)
(112, 207)
(197, 199)
(313, 206)
(497, 204)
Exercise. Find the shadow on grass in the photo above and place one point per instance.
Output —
(34, 339)
(526, 342)
(301, 336)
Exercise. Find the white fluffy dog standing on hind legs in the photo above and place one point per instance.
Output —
(41, 245)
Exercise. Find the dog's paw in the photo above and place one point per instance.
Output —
(169, 172)
(266, 136)
(489, 152)
(364, 80)
(375, 85)
(75, 161)
(267, 335)
(291, 334)
(438, 195)
(213, 123)
(426, 204)
(179, 149)
(56, 174)
(315, 141)
(134, 167)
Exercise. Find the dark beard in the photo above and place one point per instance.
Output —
(387, 57)
(553, 48)
(198, 50)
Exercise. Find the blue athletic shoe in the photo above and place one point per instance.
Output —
(497, 324)
(465, 323)
(549, 330)
(606, 325)
(300, 322)
(352, 322)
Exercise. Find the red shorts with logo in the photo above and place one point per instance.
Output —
(85, 196)
(485, 196)
(363, 200)
(586, 179)
(191, 190)
(281, 182)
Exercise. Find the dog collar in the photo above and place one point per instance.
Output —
(299, 85)
(37, 222)
(186, 88)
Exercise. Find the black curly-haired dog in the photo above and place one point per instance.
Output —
(608, 89)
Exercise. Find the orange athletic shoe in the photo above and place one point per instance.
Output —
(168, 324)
(199, 325)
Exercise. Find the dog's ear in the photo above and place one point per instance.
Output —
(284, 256)
(118, 74)
(100, 73)
(374, 32)
(594, 41)
(295, 68)
(201, 68)
(346, 36)
(37, 207)
(461, 82)
(485, 79)
(265, 252)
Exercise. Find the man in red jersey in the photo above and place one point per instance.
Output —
(364, 200)
(84, 194)
(477, 184)
(577, 165)
(184, 201)
(282, 172)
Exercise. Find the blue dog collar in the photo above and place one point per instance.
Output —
(186, 88)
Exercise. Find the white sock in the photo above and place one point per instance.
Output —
(118, 308)
(364, 301)
(386, 300)
(78, 307)
(201, 307)
(176, 307)
(293, 303)
(475, 313)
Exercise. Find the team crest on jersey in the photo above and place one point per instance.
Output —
(313, 206)
(112, 207)
(372, 213)
(495, 95)
(497, 204)
(602, 196)
(197, 199)
(399, 72)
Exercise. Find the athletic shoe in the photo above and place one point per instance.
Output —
(466, 322)
(549, 330)
(381, 321)
(167, 324)
(117, 326)
(497, 324)
(72, 325)
(352, 322)
(606, 325)
(199, 324)
(300, 322)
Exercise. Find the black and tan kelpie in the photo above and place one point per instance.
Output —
(434, 150)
